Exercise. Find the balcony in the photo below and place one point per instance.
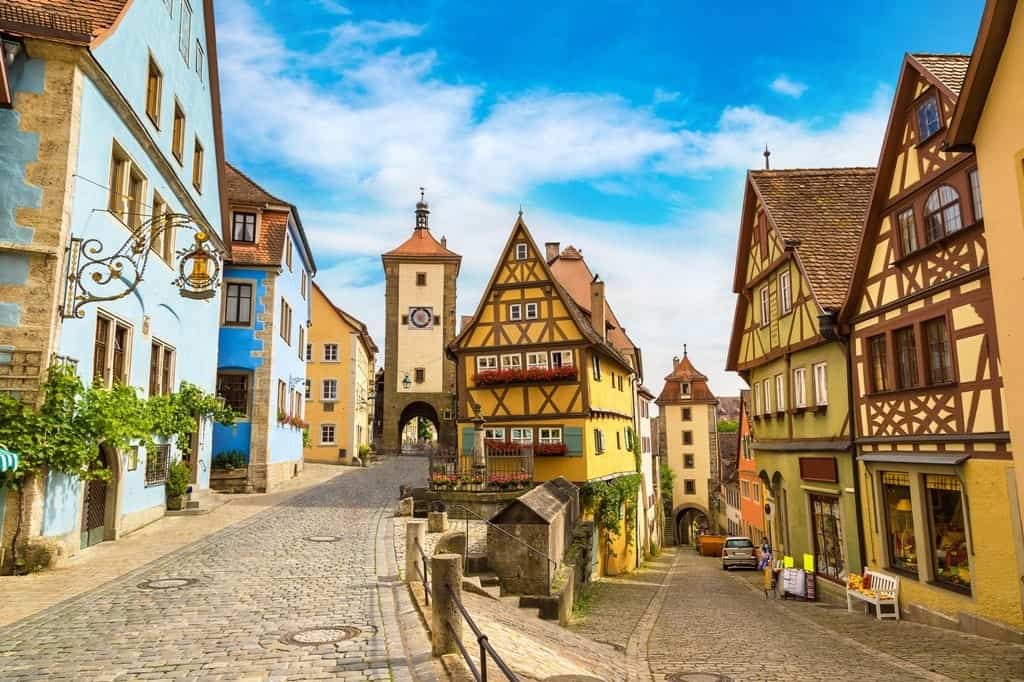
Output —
(507, 468)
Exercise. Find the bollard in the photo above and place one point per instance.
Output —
(415, 531)
(437, 521)
(445, 570)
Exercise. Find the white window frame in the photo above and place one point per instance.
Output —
(684, 389)
(785, 293)
(495, 433)
(486, 363)
(547, 435)
(780, 393)
(329, 396)
(334, 434)
(535, 308)
(766, 306)
(800, 387)
(328, 347)
(757, 398)
(185, 29)
(974, 180)
(595, 365)
(767, 387)
(521, 434)
(537, 360)
(512, 361)
(515, 312)
(820, 370)
(599, 440)
(565, 357)
(309, 389)
(522, 251)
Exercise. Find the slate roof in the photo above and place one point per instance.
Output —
(823, 208)
(949, 69)
(89, 17)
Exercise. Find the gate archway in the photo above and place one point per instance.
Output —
(416, 411)
(689, 519)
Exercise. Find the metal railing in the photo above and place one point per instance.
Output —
(552, 562)
(479, 672)
(424, 574)
(503, 469)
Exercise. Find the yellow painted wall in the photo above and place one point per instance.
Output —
(700, 424)
(999, 144)
(421, 347)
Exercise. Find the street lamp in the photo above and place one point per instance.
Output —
(407, 382)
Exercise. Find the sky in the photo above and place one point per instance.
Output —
(622, 128)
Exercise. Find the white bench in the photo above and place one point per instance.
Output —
(881, 584)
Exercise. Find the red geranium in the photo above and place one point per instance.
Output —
(514, 376)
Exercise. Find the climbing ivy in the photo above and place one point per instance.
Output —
(613, 504)
(635, 443)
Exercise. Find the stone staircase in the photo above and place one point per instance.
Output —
(487, 584)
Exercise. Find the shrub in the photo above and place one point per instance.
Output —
(229, 459)
(178, 475)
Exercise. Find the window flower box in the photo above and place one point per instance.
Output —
(500, 447)
(550, 449)
(495, 377)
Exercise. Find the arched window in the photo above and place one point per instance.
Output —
(942, 213)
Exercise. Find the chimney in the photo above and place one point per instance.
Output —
(597, 316)
(675, 362)
(444, 241)
(552, 250)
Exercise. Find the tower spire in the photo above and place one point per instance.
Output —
(766, 153)
(422, 213)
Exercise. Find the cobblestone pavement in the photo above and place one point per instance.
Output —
(259, 600)
(713, 623)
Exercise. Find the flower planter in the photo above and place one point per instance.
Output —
(518, 376)
(176, 502)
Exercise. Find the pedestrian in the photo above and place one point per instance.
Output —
(766, 555)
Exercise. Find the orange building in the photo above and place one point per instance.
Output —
(751, 502)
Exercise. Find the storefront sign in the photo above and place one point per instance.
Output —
(822, 469)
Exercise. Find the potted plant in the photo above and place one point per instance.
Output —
(176, 485)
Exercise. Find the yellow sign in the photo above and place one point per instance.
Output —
(788, 562)
(767, 579)
(809, 563)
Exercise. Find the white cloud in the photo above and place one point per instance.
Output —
(784, 85)
(387, 123)
(333, 7)
(664, 96)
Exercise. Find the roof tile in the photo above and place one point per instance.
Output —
(949, 69)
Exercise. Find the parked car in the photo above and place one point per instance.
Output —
(739, 551)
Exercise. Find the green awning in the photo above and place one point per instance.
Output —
(8, 460)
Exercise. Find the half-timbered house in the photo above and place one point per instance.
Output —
(932, 439)
(799, 232)
(545, 380)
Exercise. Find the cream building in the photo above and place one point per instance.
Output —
(339, 368)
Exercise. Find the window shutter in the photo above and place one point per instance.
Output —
(572, 436)
(468, 439)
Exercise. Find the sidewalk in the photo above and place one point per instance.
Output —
(22, 596)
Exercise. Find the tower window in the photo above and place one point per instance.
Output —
(421, 375)
(522, 252)
(421, 279)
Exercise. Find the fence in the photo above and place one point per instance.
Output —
(503, 469)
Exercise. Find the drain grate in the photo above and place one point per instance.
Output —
(697, 676)
(167, 583)
(323, 538)
(327, 634)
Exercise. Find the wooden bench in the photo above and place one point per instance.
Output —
(884, 590)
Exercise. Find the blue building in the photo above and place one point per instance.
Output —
(261, 366)
(110, 137)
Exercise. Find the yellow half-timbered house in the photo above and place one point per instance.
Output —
(546, 379)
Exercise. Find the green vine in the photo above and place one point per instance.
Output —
(634, 443)
(613, 504)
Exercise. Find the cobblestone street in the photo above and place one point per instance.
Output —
(264, 599)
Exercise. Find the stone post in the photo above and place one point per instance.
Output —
(437, 521)
(446, 620)
(479, 450)
(415, 531)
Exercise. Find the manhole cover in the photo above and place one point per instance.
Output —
(323, 538)
(327, 634)
(167, 583)
(698, 676)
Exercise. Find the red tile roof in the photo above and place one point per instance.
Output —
(422, 243)
(46, 17)
(683, 372)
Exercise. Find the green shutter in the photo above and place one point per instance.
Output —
(572, 436)
(468, 439)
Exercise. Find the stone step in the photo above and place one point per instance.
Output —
(471, 583)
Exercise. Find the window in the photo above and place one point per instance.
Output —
(420, 375)
(785, 293)
(757, 492)
(243, 226)
(950, 555)
(767, 388)
(282, 396)
(309, 389)
(908, 231)
(537, 360)
(327, 407)
(197, 166)
(522, 435)
(561, 358)
(154, 92)
(156, 464)
(800, 387)
(111, 351)
(687, 461)
(495, 434)
(821, 384)
(178, 134)
(238, 304)
(185, 29)
(300, 347)
(687, 437)
(689, 487)
(309, 352)
(548, 435)
(304, 286)
(485, 363)
(127, 201)
(531, 311)
(938, 360)
(330, 352)
(327, 434)
(975, 194)
(745, 488)
(684, 389)
(618, 440)
(286, 322)
(906, 358)
(200, 60)
(942, 213)
(515, 312)
(421, 279)
(595, 361)
(234, 389)
(766, 306)
(827, 533)
(879, 363)
(928, 120)
(514, 361)
(161, 369)
(687, 414)
(161, 234)
(329, 390)
(599, 440)
(898, 511)
(288, 251)
(780, 393)
(522, 253)
(757, 398)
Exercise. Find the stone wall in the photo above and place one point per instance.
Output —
(262, 393)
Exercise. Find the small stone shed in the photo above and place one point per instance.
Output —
(542, 518)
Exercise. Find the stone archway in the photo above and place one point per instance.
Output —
(416, 411)
(687, 521)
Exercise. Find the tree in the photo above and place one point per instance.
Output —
(728, 426)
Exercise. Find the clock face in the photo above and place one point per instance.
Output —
(421, 318)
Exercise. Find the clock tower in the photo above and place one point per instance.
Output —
(419, 378)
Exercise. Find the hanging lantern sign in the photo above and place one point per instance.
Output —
(198, 269)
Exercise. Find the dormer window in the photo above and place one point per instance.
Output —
(928, 120)
(243, 226)
(684, 388)
(522, 253)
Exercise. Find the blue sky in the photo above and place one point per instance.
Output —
(623, 128)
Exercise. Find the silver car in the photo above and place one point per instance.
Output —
(738, 551)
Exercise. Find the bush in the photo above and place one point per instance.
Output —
(229, 459)
(364, 451)
(178, 475)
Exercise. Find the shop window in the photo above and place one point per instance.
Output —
(899, 522)
(949, 537)
(828, 537)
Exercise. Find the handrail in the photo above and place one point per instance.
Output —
(480, 673)
(423, 575)
(505, 532)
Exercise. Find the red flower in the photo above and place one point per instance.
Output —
(513, 376)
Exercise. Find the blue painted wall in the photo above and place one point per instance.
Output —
(61, 506)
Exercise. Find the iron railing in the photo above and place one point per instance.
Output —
(502, 469)
(424, 574)
(479, 671)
